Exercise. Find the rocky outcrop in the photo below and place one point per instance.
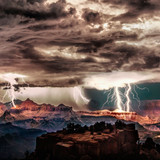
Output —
(79, 145)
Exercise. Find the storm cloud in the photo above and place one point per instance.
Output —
(58, 43)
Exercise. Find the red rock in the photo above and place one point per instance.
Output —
(128, 116)
(60, 145)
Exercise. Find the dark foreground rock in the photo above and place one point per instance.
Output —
(98, 142)
(94, 143)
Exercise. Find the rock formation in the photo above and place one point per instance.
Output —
(94, 145)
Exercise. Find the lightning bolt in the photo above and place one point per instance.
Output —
(119, 86)
(128, 98)
(11, 79)
(119, 97)
(119, 100)
(109, 96)
(115, 95)
(144, 88)
(137, 97)
(12, 95)
(79, 94)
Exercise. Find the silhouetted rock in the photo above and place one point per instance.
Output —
(120, 125)
(150, 149)
(62, 146)
(149, 143)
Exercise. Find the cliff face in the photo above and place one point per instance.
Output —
(96, 145)
(128, 116)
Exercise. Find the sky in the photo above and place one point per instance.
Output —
(66, 44)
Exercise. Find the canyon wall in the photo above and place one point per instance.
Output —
(94, 145)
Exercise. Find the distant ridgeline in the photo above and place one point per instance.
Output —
(100, 141)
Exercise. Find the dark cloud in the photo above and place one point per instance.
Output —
(31, 10)
(152, 61)
(130, 16)
(30, 53)
(91, 16)
(137, 4)
(75, 40)
(135, 8)
(35, 1)
(41, 27)
(14, 38)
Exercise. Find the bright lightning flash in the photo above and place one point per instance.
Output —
(118, 97)
(79, 95)
(11, 79)
(117, 80)
(128, 98)
(119, 101)
(115, 95)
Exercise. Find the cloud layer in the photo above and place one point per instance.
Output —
(58, 43)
